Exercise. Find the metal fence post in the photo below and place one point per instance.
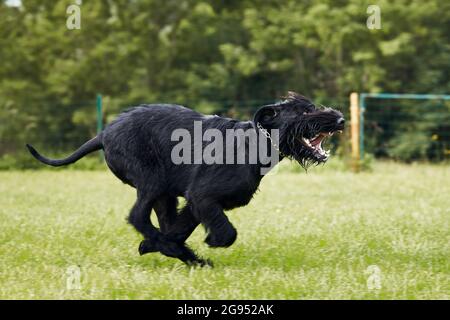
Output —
(355, 131)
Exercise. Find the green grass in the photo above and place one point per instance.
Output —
(303, 236)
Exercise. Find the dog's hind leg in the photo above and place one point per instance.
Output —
(139, 218)
(154, 240)
(166, 211)
(183, 226)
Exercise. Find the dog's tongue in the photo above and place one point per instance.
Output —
(316, 141)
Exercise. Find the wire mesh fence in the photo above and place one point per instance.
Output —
(407, 130)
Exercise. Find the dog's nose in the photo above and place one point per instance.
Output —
(341, 121)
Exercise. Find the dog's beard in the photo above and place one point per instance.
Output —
(303, 143)
(305, 156)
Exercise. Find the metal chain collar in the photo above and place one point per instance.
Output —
(268, 136)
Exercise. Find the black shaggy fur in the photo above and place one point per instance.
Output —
(137, 147)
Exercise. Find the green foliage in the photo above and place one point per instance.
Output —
(211, 55)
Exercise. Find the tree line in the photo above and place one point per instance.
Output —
(213, 56)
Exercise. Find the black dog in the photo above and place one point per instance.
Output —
(138, 148)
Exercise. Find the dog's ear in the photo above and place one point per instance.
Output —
(265, 115)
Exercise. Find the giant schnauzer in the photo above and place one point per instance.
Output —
(138, 148)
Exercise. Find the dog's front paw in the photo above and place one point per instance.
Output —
(221, 238)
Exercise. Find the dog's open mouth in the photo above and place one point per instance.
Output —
(315, 144)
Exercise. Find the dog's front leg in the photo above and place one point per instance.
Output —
(220, 231)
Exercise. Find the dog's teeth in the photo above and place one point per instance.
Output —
(330, 133)
(307, 141)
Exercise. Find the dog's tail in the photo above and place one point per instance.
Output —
(90, 146)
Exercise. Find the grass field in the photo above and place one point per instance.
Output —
(304, 236)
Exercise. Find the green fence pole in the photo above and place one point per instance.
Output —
(100, 119)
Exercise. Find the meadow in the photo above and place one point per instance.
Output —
(324, 234)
